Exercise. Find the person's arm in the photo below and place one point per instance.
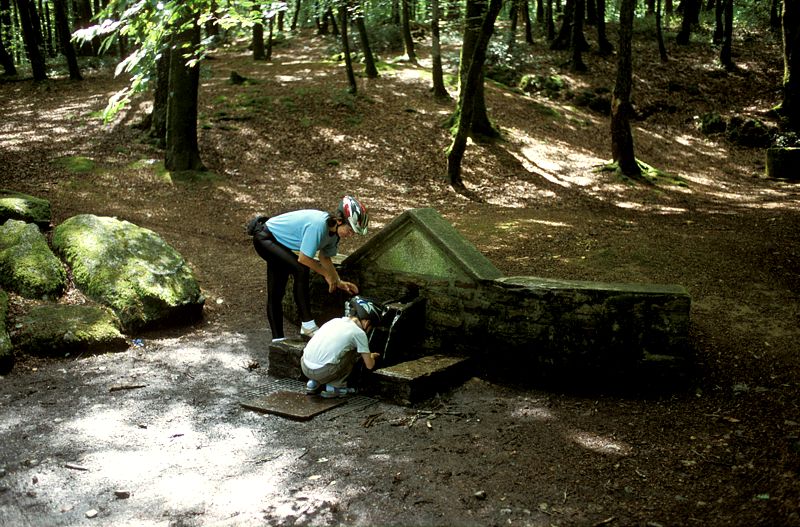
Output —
(370, 359)
(332, 277)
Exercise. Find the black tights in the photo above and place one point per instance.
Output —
(281, 262)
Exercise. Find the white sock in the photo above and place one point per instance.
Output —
(309, 324)
(279, 339)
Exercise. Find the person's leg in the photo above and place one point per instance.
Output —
(277, 276)
(280, 263)
(302, 293)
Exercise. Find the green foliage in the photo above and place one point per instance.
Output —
(385, 38)
(149, 26)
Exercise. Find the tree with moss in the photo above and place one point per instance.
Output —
(789, 109)
(468, 94)
(621, 108)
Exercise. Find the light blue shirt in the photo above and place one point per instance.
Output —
(305, 231)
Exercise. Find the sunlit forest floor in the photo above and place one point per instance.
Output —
(725, 451)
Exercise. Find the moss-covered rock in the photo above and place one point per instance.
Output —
(6, 353)
(27, 265)
(60, 329)
(30, 209)
(130, 269)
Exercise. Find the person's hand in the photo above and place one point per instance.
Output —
(350, 287)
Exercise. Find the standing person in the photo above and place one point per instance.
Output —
(330, 355)
(308, 232)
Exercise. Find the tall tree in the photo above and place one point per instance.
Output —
(576, 63)
(479, 124)
(789, 108)
(182, 151)
(621, 109)
(348, 61)
(662, 49)
(468, 93)
(691, 13)
(295, 15)
(439, 90)
(24, 8)
(725, 53)
(408, 41)
(6, 60)
(62, 26)
(259, 53)
(370, 69)
(603, 44)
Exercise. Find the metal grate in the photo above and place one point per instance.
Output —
(353, 403)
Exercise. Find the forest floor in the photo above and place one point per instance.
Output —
(180, 450)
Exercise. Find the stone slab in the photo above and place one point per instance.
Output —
(294, 405)
(415, 380)
(284, 359)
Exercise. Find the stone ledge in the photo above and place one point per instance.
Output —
(413, 381)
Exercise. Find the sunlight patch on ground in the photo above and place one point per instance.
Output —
(536, 413)
(521, 223)
(601, 444)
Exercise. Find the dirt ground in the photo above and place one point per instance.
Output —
(156, 435)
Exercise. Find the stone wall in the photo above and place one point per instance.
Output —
(533, 327)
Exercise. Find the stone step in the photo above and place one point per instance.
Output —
(407, 382)
(419, 379)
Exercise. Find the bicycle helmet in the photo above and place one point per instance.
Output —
(365, 309)
(355, 214)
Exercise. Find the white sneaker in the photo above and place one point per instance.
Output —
(308, 333)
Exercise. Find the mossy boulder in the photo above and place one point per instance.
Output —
(130, 269)
(6, 353)
(57, 329)
(748, 132)
(18, 206)
(27, 265)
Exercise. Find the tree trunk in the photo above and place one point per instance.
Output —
(526, 16)
(466, 97)
(604, 46)
(719, 24)
(480, 124)
(330, 16)
(790, 106)
(270, 38)
(621, 135)
(370, 70)
(726, 53)
(662, 49)
(296, 15)
(550, 25)
(62, 29)
(563, 39)
(348, 62)
(407, 40)
(513, 17)
(182, 152)
(258, 40)
(7, 60)
(691, 12)
(158, 119)
(437, 74)
(29, 36)
(576, 61)
(775, 15)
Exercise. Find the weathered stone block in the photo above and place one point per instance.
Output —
(284, 359)
(413, 381)
(783, 163)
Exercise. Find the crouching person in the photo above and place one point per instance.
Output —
(330, 355)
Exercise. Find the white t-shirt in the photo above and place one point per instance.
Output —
(332, 341)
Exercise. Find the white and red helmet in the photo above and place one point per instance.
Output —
(355, 214)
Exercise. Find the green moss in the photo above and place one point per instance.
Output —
(76, 164)
(58, 329)
(6, 352)
(128, 268)
(27, 265)
(18, 206)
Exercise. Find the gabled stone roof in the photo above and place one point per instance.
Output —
(421, 242)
